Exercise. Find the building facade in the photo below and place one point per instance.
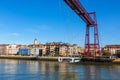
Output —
(62, 49)
(12, 49)
(48, 49)
(113, 49)
(3, 49)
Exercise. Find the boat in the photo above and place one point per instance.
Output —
(70, 59)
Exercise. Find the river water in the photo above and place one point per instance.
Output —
(45, 70)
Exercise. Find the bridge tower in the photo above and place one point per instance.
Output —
(91, 22)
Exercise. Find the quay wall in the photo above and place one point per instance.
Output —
(48, 58)
(28, 57)
(16, 57)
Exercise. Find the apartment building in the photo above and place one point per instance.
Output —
(12, 49)
(48, 49)
(3, 49)
(113, 49)
(62, 49)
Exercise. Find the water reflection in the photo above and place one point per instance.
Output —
(68, 76)
(91, 73)
(45, 70)
(58, 71)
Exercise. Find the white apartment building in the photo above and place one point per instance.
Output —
(12, 49)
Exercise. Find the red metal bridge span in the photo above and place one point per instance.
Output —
(77, 7)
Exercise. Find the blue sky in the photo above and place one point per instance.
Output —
(21, 21)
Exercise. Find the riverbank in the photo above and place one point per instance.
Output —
(17, 57)
(28, 57)
(48, 58)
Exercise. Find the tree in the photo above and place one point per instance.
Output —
(106, 53)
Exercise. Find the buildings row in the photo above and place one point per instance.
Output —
(48, 49)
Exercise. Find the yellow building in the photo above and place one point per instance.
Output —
(35, 42)
(68, 49)
(63, 50)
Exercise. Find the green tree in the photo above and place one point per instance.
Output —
(106, 53)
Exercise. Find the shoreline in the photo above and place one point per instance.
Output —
(18, 57)
(48, 58)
